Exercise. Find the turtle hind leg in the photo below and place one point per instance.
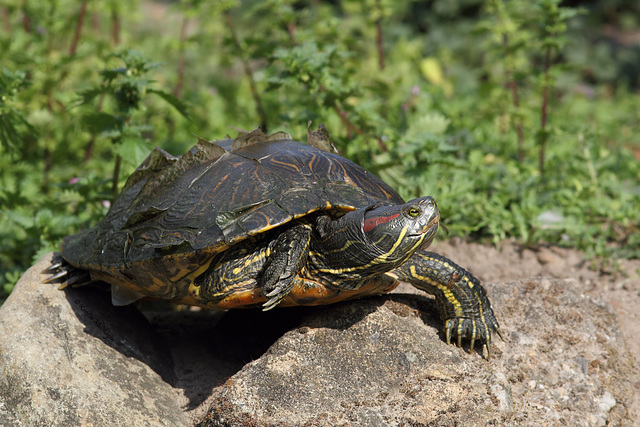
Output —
(65, 274)
(288, 255)
(461, 299)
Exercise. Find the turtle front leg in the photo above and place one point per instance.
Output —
(462, 301)
(288, 254)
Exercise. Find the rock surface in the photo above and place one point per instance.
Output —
(382, 362)
(70, 358)
(371, 362)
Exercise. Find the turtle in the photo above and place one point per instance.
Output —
(265, 221)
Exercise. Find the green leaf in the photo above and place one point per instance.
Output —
(133, 150)
(101, 122)
(176, 103)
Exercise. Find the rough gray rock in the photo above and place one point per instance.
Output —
(371, 362)
(70, 358)
(382, 362)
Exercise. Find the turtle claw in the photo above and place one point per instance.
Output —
(269, 304)
(474, 329)
(277, 294)
(274, 292)
(78, 280)
(53, 268)
(56, 275)
(65, 274)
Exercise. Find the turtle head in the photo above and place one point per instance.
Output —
(398, 231)
(373, 240)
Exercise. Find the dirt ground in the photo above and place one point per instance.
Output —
(618, 283)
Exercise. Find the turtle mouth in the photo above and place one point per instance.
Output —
(431, 227)
(428, 235)
(428, 232)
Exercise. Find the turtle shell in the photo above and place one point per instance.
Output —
(175, 213)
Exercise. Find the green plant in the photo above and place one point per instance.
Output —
(520, 125)
(13, 124)
(128, 86)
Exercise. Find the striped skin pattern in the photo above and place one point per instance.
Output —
(362, 253)
(462, 301)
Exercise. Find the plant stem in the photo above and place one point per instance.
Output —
(379, 38)
(78, 31)
(519, 131)
(181, 60)
(95, 23)
(247, 71)
(115, 26)
(6, 19)
(543, 115)
(26, 19)
(513, 85)
(351, 127)
(116, 174)
(291, 31)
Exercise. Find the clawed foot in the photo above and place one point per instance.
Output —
(64, 273)
(289, 252)
(474, 329)
(275, 295)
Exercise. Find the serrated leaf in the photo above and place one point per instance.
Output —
(180, 106)
(101, 122)
(88, 95)
(133, 150)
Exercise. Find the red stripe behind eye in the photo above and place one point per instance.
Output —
(371, 223)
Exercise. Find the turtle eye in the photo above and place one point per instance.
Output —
(413, 212)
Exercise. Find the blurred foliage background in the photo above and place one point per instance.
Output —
(519, 116)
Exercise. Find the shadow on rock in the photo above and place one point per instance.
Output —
(199, 350)
(426, 306)
(374, 361)
(428, 310)
(210, 346)
(190, 350)
(403, 305)
(124, 329)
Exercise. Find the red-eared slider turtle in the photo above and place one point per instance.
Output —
(266, 221)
